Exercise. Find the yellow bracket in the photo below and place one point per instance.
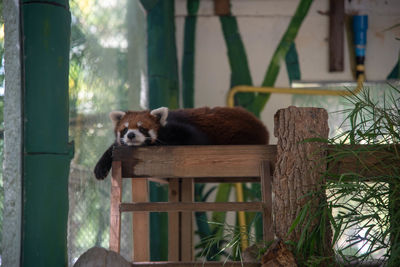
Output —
(304, 91)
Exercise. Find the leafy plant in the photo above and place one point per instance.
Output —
(362, 206)
(228, 244)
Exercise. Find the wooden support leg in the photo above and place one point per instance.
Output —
(187, 192)
(266, 194)
(140, 222)
(115, 215)
(173, 222)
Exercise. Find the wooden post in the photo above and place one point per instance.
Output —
(173, 221)
(187, 192)
(298, 167)
(266, 191)
(336, 35)
(115, 215)
(140, 221)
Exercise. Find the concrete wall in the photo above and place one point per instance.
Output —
(12, 171)
(262, 24)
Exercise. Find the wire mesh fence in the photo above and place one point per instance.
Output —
(89, 199)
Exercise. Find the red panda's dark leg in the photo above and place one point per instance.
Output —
(103, 166)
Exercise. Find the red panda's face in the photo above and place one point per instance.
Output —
(136, 128)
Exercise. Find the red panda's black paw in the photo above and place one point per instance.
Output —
(101, 172)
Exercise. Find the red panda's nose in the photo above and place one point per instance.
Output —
(131, 135)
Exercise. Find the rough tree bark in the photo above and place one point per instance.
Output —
(299, 164)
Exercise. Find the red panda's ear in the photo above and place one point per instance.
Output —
(116, 116)
(161, 113)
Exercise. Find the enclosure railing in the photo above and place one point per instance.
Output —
(287, 172)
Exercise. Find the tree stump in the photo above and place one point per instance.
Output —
(299, 165)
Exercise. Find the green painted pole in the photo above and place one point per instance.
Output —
(162, 69)
(162, 63)
(46, 151)
(188, 59)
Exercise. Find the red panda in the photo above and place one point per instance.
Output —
(198, 126)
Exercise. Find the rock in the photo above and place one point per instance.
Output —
(252, 253)
(278, 255)
(101, 257)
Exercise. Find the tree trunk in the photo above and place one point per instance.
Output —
(299, 165)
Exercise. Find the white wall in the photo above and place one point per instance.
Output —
(262, 24)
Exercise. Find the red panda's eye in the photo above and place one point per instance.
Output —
(123, 132)
(142, 129)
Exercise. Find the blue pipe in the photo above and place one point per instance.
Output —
(360, 26)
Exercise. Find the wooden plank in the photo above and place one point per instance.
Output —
(227, 180)
(193, 161)
(360, 159)
(266, 195)
(197, 264)
(196, 206)
(173, 221)
(336, 35)
(140, 222)
(115, 215)
(172, 159)
(187, 195)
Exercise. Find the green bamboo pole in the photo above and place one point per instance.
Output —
(47, 154)
(188, 58)
(163, 82)
(161, 54)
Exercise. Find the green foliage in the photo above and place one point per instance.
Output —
(98, 65)
(227, 244)
(362, 207)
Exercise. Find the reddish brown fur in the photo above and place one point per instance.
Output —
(222, 125)
(200, 126)
(226, 126)
(133, 117)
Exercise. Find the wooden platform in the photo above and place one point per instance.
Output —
(196, 264)
(194, 161)
(181, 167)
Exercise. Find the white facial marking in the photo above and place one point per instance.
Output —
(118, 138)
(138, 140)
(139, 123)
(126, 124)
(153, 135)
(162, 113)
